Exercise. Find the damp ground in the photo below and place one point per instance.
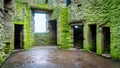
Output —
(51, 57)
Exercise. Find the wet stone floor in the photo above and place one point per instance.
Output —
(51, 57)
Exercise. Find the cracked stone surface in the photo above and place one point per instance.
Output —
(51, 57)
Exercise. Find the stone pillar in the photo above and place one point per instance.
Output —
(99, 41)
(86, 38)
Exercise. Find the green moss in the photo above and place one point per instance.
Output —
(42, 39)
(99, 42)
(56, 12)
(99, 12)
(86, 36)
(103, 13)
(23, 16)
(40, 6)
(19, 15)
(28, 28)
(64, 29)
(2, 56)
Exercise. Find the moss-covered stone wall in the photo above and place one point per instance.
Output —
(6, 12)
(23, 15)
(64, 38)
(103, 13)
(42, 39)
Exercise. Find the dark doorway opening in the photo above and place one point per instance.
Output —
(78, 36)
(19, 37)
(106, 40)
(93, 37)
(53, 31)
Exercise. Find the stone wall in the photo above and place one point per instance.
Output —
(1, 22)
(24, 15)
(103, 13)
(2, 54)
(59, 3)
(8, 26)
(6, 12)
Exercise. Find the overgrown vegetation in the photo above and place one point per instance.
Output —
(2, 56)
(104, 13)
(64, 29)
(23, 16)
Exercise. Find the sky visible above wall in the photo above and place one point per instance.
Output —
(40, 23)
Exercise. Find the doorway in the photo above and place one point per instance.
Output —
(19, 36)
(92, 37)
(78, 36)
(53, 31)
(106, 40)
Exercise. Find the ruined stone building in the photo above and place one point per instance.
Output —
(91, 25)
